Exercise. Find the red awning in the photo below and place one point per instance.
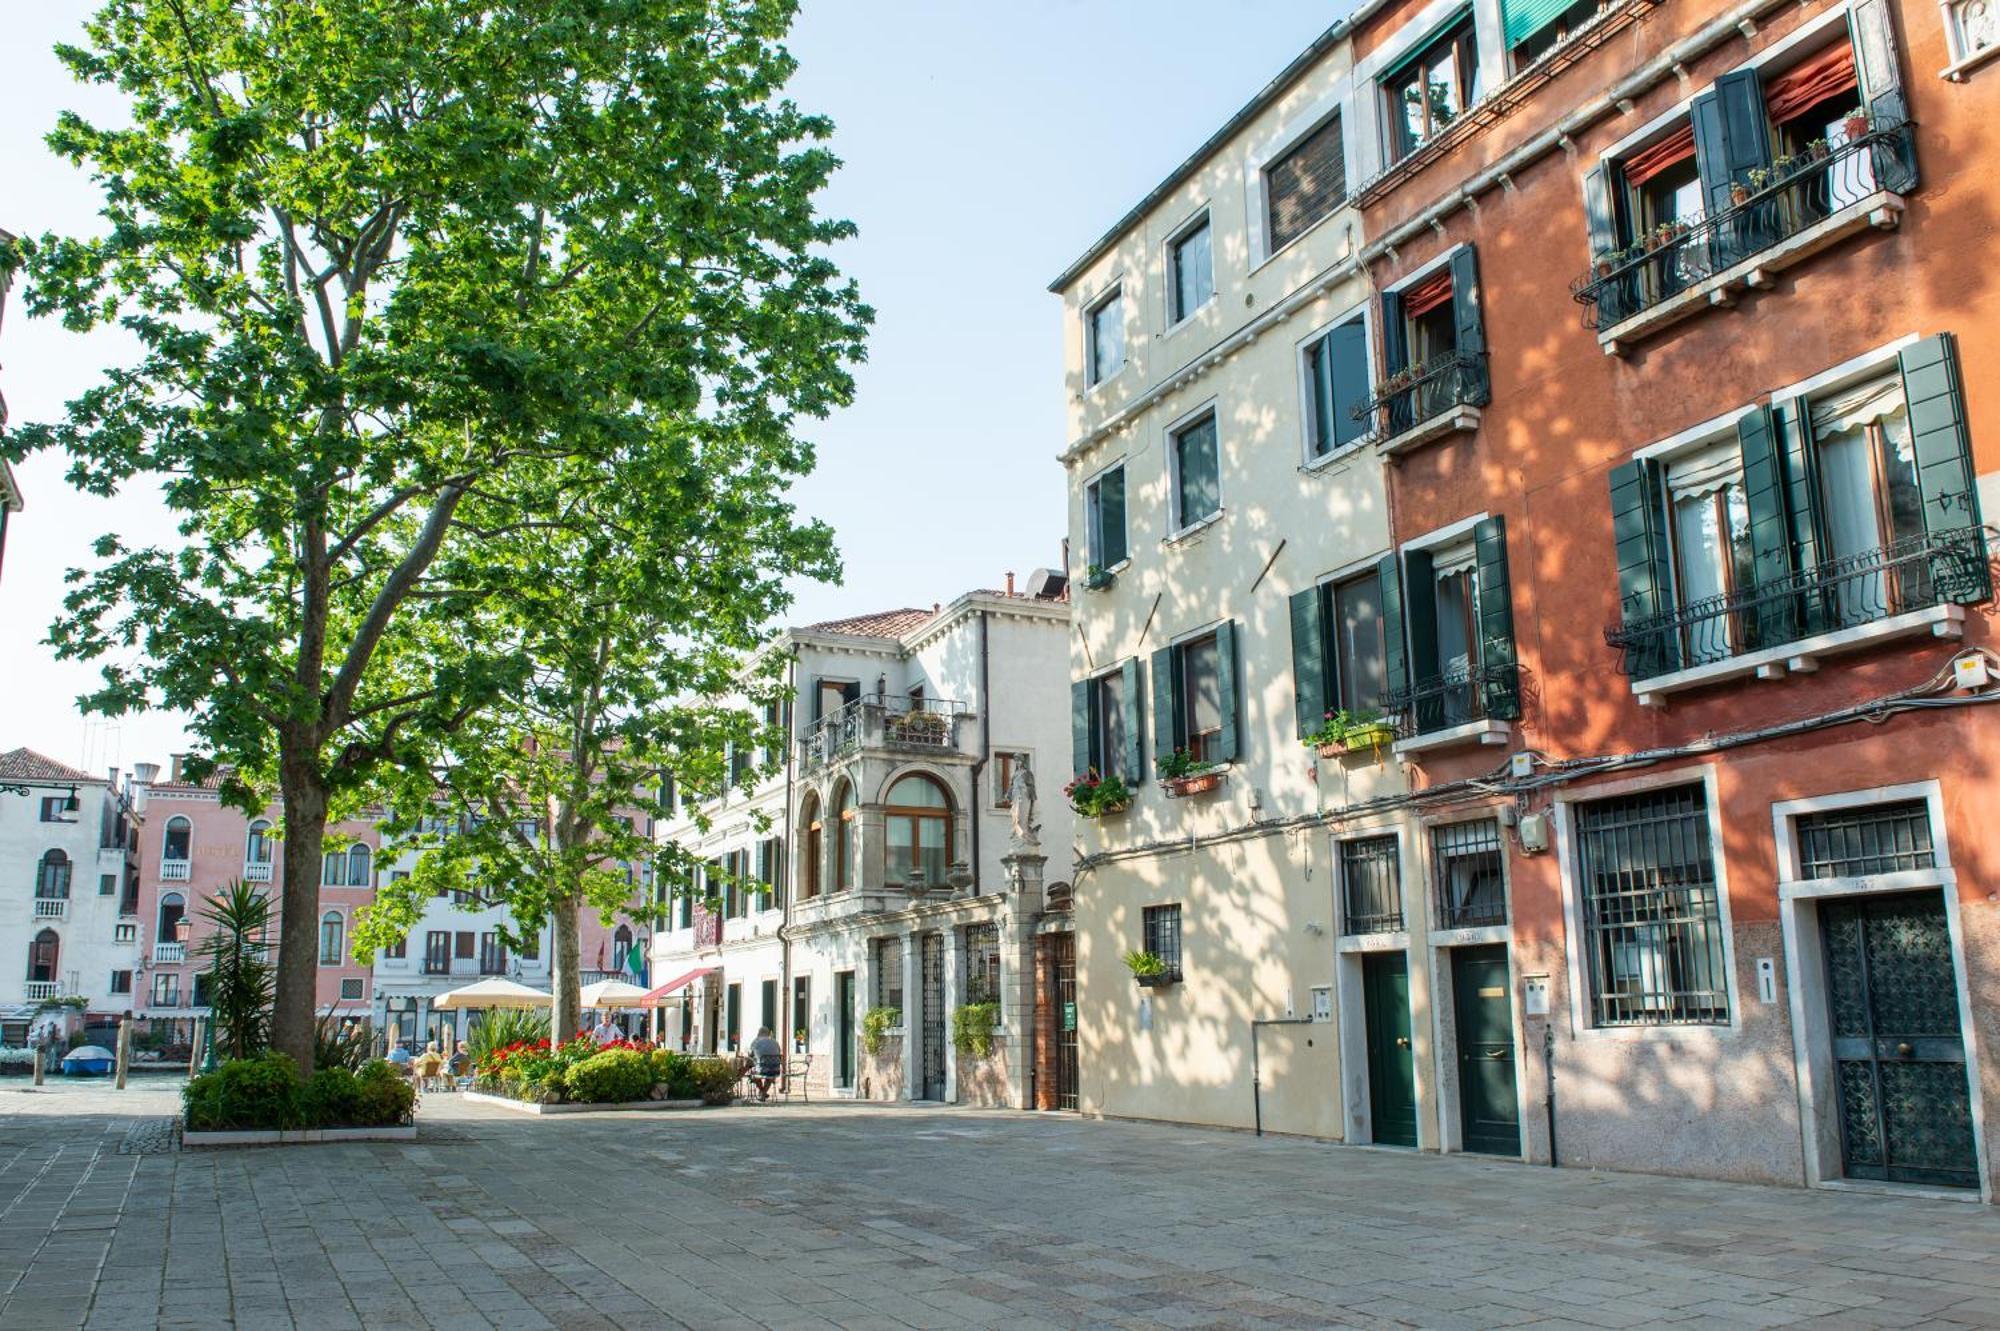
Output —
(1649, 161)
(1428, 294)
(1825, 75)
(659, 992)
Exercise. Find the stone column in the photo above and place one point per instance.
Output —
(954, 989)
(913, 1001)
(1024, 864)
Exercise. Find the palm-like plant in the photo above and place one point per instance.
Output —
(241, 980)
(505, 1026)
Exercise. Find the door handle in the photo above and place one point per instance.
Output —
(1904, 1049)
(1402, 1042)
(1499, 1053)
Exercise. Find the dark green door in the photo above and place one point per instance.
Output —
(843, 1035)
(1392, 1076)
(1489, 1113)
(1899, 1057)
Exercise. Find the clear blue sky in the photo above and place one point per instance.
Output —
(985, 146)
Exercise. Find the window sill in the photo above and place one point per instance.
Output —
(1332, 460)
(1193, 529)
(1802, 657)
(1452, 420)
(1665, 1032)
(1091, 389)
(1482, 731)
(1192, 316)
(1880, 211)
(1956, 71)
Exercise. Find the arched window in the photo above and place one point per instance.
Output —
(357, 866)
(917, 821)
(332, 937)
(621, 948)
(815, 846)
(257, 849)
(843, 837)
(179, 833)
(173, 911)
(333, 869)
(52, 879)
(43, 953)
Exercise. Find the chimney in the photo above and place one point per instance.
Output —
(1010, 582)
(178, 759)
(143, 776)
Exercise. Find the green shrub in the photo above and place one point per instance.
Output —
(876, 1023)
(245, 1094)
(714, 1079)
(612, 1077)
(505, 1026)
(330, 1099)
(384, 1099)
(972, 1028)
(675, 1071)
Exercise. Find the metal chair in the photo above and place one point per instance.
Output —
(795, 1079)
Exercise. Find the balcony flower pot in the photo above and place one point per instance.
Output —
(1160, 981)
(1195, 783)
(1739, 193)
(1856, 125)
(1364, 739)
(1097, 579)
(1094, 796)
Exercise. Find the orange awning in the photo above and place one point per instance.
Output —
(1428, 294)
(655, 994)
(1825, 75)
(1674, 149)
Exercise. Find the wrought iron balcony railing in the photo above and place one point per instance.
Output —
(881, 720)
(1454, 698)
(1794, 195)
(1425, 391)
(1933, 569)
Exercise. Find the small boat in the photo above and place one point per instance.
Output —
(90, 1060)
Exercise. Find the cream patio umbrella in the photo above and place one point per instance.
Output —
(493, 993)
(612, 994)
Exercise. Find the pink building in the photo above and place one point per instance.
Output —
(191, 846)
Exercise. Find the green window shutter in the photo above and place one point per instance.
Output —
(1497, 653)
(1309, 673)
(1347, 349)
(1227, 743)
(1791, 421)
(1395, 661)
(1111, 516)
(1080, 727)
(1770, 523)
(1395, 338)
(1881, 86)
(1129, 704)
(1166, 700)
(1645, 588)
(1731, 139)
(1471, 321)
(1420, 619)
(1525, 18)
(1935, 399)
(777, 874)
(1597, 213)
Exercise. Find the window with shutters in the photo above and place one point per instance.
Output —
(121, 982)
(397, 951)
(811, 852)
(1201, 697)
(437, 952)
(1104, 519)
(771, 872)
(1195, 700)
(1709, 534)
(1113, 712)
(492, 954)
(1336, 374)
(1431, 89)
(1104, 337)
(1536, 27)
(332, 938)
(1191, 266)
(1339, 657)
(1304, 185)
(1450, 633)
(1197, 475)
(464, 944)
(1433, 348)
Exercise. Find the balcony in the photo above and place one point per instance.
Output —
(1458, 707)
(51, 908)
(40, 989)
(257, 871)
(165, 954)
(1799, 207)
(436, 966)
(878, 721)
(1429, 400)
(1911, 588)
(174, 871)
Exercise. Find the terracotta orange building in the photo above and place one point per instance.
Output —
(1685, 373)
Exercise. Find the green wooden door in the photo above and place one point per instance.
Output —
(1899, 1057)
(1489, 1111)
(1392, 1075)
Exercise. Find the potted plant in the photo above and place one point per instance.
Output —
(1856, 123)
(1343, 732)
(1739, 193)
(1095, 796)
(1184, 774)
(1149, 969)
(799, 1040)
(920, 727)
(1817, 150)
(1097, 577)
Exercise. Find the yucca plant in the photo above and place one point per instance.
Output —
(339, 1045)
(241, 981)
(506, 1026)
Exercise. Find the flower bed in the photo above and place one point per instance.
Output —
(266, 1095)
(583, 1072)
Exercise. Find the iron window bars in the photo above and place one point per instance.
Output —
(1466, 873)
(1371, 886)
(1881, 838)
(982, 963)
(1162, 936)
(1652, 919)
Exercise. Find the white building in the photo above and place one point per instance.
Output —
(69, 890)
(878, 855)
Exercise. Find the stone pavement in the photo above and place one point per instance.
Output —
(852, 1216)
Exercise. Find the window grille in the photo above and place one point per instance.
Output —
(1652, 918)
(1371, 888)
(1466, 871)
(1882, 838)
(1162, 926)
(982, 963)
(889, 973)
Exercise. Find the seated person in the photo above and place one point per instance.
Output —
(767, 1062)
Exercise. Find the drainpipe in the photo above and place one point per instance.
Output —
(789, 711)
(1256, 1074)
(985, 742)
(1549, 1096)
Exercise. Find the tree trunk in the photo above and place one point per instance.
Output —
(565, 1015)
(292, 1018)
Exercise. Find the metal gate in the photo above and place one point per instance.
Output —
(1062, 949)
(933, 1017)
(1899, 1056)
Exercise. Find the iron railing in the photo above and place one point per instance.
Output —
(1912, 574)
(1453, 698)
(1793, 195)
(1873, 839)
(1425, 391)
(881, 719)
(1468, 876)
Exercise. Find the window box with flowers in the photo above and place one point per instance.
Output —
(1097, 578)
(1183, 774)
(1345, 733)
(1095, 796)
(1150, 970)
